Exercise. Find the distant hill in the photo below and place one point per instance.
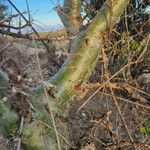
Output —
(53, 34)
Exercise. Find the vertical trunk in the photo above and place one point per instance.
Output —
(70, 15)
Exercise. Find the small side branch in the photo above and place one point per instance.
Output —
(25, 36)
(52, 57)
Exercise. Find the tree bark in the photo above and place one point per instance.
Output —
(85, 54)
(70, 15)
(74, 72)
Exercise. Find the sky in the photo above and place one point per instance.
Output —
(42, 11)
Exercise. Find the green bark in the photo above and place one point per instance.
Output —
(70, 15)
(79, 65)
(74, 72)
(83, 58)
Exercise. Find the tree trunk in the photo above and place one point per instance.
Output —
(70, 15)
(56, 94)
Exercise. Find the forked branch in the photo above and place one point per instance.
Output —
(82, 60)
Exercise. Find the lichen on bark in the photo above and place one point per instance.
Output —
(74, 72)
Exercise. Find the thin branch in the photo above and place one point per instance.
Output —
(20, 132)
(8, 18)
(28, 10)
(52, 57)
(127, 144)
(3, 48)
(146, 106)
(121, 116)
(13, 27)
(47, 99)
(25, 36)
(106, 82)
(61, 135)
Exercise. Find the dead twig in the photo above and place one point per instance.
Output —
(28, 22)
(127, 144)
(20, 132)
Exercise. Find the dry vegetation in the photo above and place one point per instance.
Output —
(111, 110)
(54, 34)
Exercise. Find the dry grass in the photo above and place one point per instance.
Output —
(53, 34)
